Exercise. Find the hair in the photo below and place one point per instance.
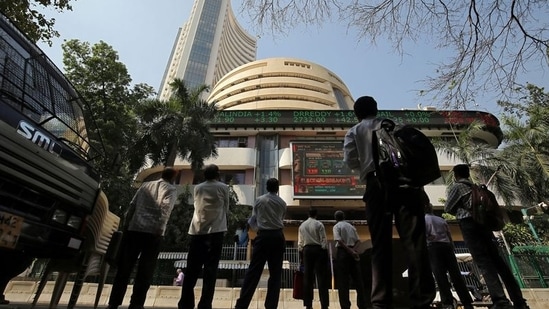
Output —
(339, 215)
(169, 173)
(461, 171)
(272, 185)
(211, 172)
(365, 106)
(312, 212)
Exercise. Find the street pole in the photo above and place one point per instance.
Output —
(529, 222)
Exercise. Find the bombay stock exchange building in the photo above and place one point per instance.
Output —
(284, 118)
(209, 45)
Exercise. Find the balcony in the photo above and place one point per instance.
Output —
(233, 158)
(285, 158)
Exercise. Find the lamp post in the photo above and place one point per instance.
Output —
(540, 208)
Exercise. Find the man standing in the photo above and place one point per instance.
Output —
(383, 203)
(443, 260)
(208, 225)
(313, 245)
(269, 246)
(144, 226)
(347, 262)
(482, 244)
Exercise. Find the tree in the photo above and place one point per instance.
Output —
(176, 236)
(492, 41)
(518, 235)
(33, 23)
(179, 127)
(483, 159)
(104, 83)
(526, 126)
(237, 214)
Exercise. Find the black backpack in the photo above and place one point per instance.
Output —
(403, 156)
(485, 208)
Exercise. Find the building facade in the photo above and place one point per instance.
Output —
(209, 45)
(286, 118)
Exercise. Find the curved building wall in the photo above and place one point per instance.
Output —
(209, 45)
(281, 83)
(236, 48)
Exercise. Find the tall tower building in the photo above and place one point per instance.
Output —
(209, 45)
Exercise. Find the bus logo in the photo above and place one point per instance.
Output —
(36, 136)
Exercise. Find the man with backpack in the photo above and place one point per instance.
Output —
(385, 201)
(482, 244)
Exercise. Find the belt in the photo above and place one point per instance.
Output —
(269, 231)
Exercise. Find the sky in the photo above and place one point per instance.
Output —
(143, 33)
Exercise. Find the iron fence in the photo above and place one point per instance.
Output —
(530, 264)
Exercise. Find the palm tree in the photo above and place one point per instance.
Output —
(179, 127)
(527, 147)
(484, 160)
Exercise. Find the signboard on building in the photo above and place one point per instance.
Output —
(347, 118)
(319, 172)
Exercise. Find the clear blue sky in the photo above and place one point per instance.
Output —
(143, 33)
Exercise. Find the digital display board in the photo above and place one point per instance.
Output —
(319, 172)
(347, 118)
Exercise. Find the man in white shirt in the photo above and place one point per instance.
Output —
(347, 262)
(312, 245)
(208, 225)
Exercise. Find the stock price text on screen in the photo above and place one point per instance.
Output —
(319, 172)
(346, 118)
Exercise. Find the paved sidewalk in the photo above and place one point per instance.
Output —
(21, 295)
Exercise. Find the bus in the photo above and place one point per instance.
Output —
(48, 183)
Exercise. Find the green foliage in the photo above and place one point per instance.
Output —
(448, 217)
(33, 23)
(178, 127)
(176, 236)
(518, 235)
(483, 159)
(105, 85)
(238, 215)
(527, 145)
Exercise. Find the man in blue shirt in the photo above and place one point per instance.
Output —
(268, 247)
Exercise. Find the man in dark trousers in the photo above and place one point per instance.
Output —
(206, 232)
(268, 247)
(347, 262)
(482, 244)
(144, 227)
(385, 202)
(443, 260)
(313, 246)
